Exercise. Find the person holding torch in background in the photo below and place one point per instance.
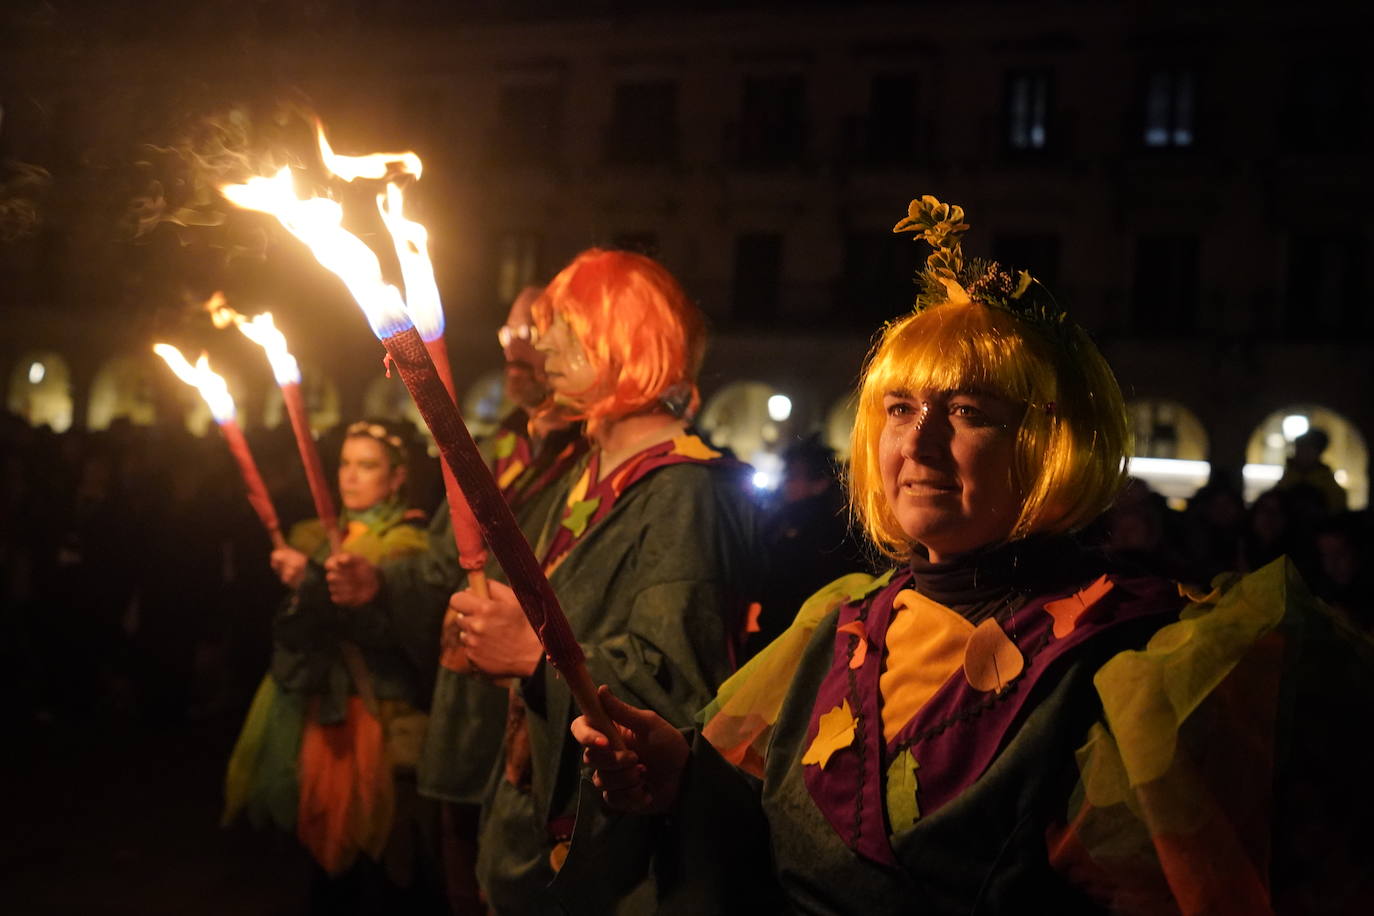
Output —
(532, 451)
(330, 743)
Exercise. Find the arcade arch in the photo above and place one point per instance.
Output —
(123, 387)
(1271, 444)
(40, 390)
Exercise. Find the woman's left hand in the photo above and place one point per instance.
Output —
(495, 633)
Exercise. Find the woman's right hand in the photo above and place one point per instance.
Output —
(646, 776)
(289, 565)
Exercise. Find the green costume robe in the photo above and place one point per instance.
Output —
(655, 591)
(307, 663)
(1204, 768)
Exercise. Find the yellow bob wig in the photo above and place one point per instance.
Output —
(1073, 437)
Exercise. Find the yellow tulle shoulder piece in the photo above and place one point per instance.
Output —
(243, 762)
(739, 721)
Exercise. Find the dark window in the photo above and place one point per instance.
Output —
(1165, 292)
(1324, 111)
(517, 262)
(1038, 254)
(1326, 284)
(643, 129)
(1028, 104)
(757, 284)
(892, 124)
(878, 281)
(645, 243)
(772, 128)
(1169, 103)
(529, 129)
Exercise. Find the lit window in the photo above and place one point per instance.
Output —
(1028, 109)
(1169, 104)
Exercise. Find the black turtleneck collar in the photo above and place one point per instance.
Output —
(982, 581)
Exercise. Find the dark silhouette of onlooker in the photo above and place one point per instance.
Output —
(1306, 469)
(809, 539)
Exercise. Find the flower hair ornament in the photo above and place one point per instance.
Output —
(949, 278)
(381, 434)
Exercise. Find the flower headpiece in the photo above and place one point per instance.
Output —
(949, 278)
(381, 434)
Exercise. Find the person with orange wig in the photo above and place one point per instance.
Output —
(651, 550)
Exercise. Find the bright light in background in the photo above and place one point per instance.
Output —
(1294, 425)
(779, 407)
(767, 470)
(1275, 440)
(36, 373)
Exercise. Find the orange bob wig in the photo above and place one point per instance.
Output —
(643, 338)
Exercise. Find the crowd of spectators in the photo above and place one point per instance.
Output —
(136, 582)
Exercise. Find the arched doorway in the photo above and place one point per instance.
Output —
(485, 404)
(1171, 448)
(388, 399)
(40, 390)
(123, 387)
(839, 425)
(1271, 445)
(755, 421)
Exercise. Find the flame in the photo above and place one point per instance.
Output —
(264, 333)
(221, 315)
(412, 251)
(318, 222)
(212, 387)
(376, 165)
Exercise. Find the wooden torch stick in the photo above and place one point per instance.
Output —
(256, 490)
(314, 469)
(497, 523)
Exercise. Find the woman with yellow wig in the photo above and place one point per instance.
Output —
(1004, 722)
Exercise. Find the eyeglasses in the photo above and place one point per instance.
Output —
(508, 334)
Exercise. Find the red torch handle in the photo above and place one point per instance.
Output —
(255, 489)
(314, 470)
(496, 521)
(467, 534)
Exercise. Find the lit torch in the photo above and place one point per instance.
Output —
(216, 394)
(261, 330)
(317, 223)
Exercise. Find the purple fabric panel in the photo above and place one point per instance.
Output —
(956, 757)
(849, 790)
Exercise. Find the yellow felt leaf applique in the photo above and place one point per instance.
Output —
(505, 444)
(1066, 611)
(508, 476)
(856, 628)
(867, 586)
(579, 514)
(690, 446)
(991, 660)
(902, 808)
(836, 732)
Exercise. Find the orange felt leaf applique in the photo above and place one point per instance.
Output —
(836, 732)
(1066, 611)
(856, 628)
(751, 620)
(991, 660)
(692, 447)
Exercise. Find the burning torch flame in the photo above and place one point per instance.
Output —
(211, 386)
(262, 331)
(412, 251)
(376, 165)
(318, 222)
